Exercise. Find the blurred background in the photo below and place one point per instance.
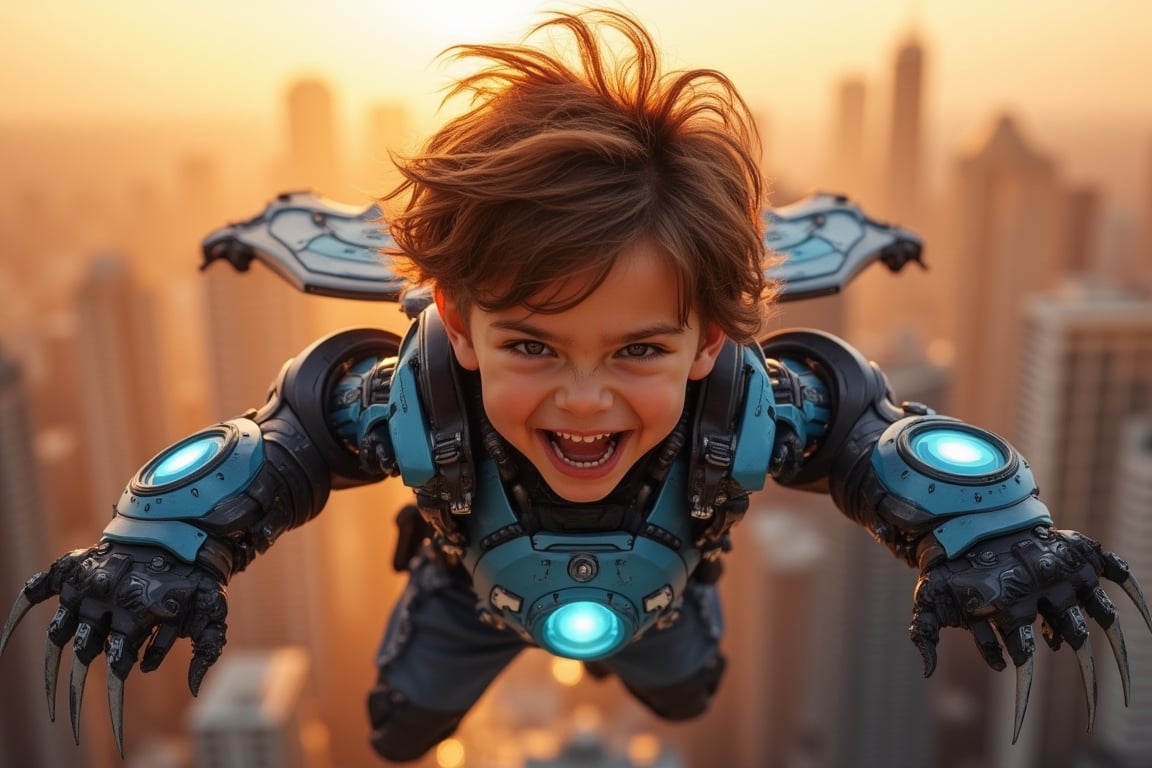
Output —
(1016, 138)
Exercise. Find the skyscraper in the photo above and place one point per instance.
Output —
(259, 710)
(780, 661)
(1081, 217)
(881, 308)
(1085, 372)
(905, 139)
(1122, 736)
(387, 130)
(1005, 249)
(848, 173)
(27, 737)
(311, 160)
(126, 413)
(125, 420)
(1143, 272)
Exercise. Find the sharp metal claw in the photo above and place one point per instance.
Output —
(1088, 676)
(116, 708)
(1132, 589)
(1120, 653)
(51, 674)
(1023, 692)
(19, 610)
(76, 694)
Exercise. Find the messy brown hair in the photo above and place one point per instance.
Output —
(528, 197)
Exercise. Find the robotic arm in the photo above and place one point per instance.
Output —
(956, 502)
(202, 509)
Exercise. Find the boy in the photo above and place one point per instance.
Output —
(582, 415)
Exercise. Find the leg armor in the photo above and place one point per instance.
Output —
(435, 661)
(675, 670)
(403, 731)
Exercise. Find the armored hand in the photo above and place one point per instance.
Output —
(997, 589)
(114, 598)
(955, 501)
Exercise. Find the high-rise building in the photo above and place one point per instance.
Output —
(387, 130)
(1085, 372)
(124, 392)
(881, 307)
(258, 711)
(27, 737)
(1081, 222)
(125, 420)
(905, 139)
(775, 594)
(1143, 263)
(1005, 212)
(311, 160)
(848, 174)
(883, 713)
(1086, 369)
(1122, 734)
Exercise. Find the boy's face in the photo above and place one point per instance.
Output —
(585, 393)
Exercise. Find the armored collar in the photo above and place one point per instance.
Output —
(455, 416)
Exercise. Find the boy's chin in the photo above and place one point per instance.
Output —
(581, 495)
(580, 490)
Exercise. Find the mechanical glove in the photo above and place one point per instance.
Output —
(998, 588)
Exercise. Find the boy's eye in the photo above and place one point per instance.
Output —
(639, 350)
(530, 348)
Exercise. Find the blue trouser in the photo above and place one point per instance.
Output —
(437, 658)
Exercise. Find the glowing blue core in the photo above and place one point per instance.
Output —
(960, 453)
(582, 630)
(186, 459)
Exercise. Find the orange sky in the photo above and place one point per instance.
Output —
(73, 56)
(1078, 67)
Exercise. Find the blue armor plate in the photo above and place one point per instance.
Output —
(328, 248)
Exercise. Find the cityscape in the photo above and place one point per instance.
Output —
(1032, 319)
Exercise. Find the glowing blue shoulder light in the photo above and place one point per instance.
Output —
(186, 480)
(957, 452)
(185, 459)
(949, 451)
(583, 630)
(945, 467)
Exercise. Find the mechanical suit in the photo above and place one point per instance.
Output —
(498, 562)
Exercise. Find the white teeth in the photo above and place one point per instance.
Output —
(584, 464)
(584, 438)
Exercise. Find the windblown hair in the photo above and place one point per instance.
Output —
(528, 198)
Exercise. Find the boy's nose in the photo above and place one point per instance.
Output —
(584, 395)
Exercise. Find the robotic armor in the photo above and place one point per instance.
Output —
(362, 405)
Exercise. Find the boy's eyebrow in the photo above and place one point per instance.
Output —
(647, 332)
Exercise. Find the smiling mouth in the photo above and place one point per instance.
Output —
(583, 451)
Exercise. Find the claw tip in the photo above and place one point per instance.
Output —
(928, 656)
(19, 611)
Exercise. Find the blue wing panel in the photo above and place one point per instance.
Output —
(327, 248)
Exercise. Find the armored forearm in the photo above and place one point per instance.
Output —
(228, 492)
(926, 486)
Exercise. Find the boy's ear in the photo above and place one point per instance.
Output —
(457, 328)
(712, 339)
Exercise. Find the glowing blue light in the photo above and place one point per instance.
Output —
(186, 459)
(957, 452)
(583, 630)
